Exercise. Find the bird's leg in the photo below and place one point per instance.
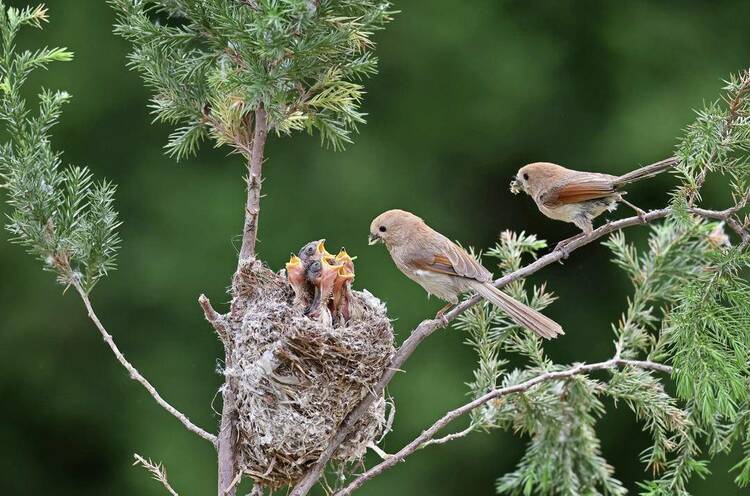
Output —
(562, 245)
(441, 313)
(640, 212)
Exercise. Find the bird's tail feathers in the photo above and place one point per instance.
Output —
(521, 314)
(646, 172)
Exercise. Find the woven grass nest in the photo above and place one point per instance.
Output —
(297, 377)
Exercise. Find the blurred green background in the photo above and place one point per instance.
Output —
(467, 92)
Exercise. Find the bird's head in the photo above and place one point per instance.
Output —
(312, 251)
(536, 177)
(394, 227)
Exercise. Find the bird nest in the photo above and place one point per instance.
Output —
(297, 377)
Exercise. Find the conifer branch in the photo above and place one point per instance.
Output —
(428, 434)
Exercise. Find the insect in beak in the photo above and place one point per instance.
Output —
(516, 186)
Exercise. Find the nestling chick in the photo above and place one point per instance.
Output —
(312, 251)
(295, 274)
(342, 286)
(322, 275)
(445, 270)
(578, 197)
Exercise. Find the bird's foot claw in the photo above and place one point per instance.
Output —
(440, 315)
(562, 247)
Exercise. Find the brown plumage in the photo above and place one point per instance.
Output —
(445, 270)
(579, 197)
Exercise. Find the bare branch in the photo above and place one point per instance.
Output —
(728, 217)
(158, 472)
(426, 437)
(135, 375)
(448, 438)
(214, 318)
(254, 181)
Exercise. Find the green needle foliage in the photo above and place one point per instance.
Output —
(212, 63)
(690, 308)
(60, 214)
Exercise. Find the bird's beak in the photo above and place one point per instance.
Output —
(322, 246)
(374, 239)
(294, 260)
(344, 256)
(515, 186)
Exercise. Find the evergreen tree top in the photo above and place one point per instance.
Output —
(212, 63)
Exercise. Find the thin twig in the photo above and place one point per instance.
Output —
(135, 375)
(158, 472)
(427, 435)
(449, 437)
(728, 217)
(214, 318)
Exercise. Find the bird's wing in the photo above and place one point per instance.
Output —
(453, 260)
(578, 188)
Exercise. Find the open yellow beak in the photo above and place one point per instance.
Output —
(343, 256)
(322, 249)
(294, 260)
(344, 273)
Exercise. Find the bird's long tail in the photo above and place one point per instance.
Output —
(521, 314)
(645, 172)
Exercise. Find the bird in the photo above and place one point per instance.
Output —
(295, 273)
(446, 270)
(322, 275)
(579, 197)
(342, 286)
(312, 251)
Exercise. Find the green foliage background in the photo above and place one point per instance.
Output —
(467, 92)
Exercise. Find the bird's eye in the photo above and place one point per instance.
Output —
(525, 176)
(381, 229)
(310, 250)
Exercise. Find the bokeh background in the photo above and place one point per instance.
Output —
(467, 92)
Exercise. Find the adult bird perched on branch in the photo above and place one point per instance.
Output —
(579, 197)
(446, 270)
